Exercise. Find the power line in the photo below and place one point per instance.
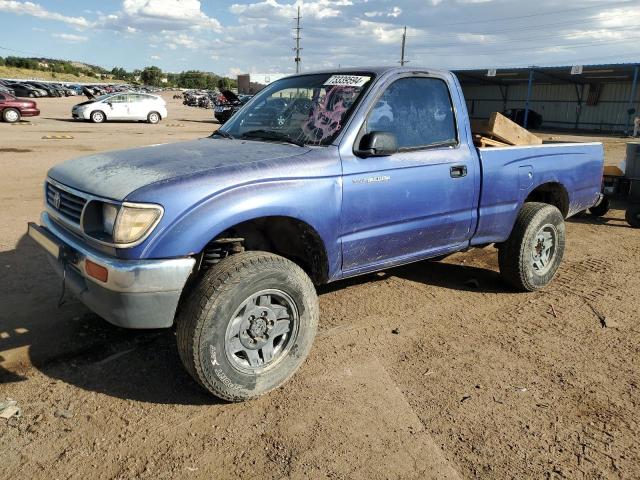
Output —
(529, 49)
(297, 48)
(475, 21)
(526, 39)
(542, 26)
(21, 51)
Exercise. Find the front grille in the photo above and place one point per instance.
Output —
(65, 203)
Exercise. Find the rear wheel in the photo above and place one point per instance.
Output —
(248, 325)
(601, 209)
(153, 117)
(632, 215)
(97, 116)
(530, 257)
(10, 115)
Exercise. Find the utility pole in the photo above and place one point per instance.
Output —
(297, 39)
(404, 41)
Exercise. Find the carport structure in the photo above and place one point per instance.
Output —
(583, 97)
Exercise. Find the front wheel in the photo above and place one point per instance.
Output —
(153, 117)
(11, 115)
(632, 215)
(531, 256)
(248, 325)
(97, 117)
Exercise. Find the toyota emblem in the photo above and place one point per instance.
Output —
(56, 200)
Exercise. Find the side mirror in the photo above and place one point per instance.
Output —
(377, 144)
(110, 104)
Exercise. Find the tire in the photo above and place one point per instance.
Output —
(237, 366)
(530, 257)
(601, 209)
(153, 117)
(11, 115)
(632, 215)
(31, 95)
(97, 116)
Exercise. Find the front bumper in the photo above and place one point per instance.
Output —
(80, 114)
(29, 112)
(136, 294)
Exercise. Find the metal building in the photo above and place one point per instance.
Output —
(252, 83)
(583, 97)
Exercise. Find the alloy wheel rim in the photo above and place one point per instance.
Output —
(12, 116)
(544, 249)
(262, 330)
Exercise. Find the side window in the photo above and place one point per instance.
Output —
(417, 110)
(120, 99)
(1, 96)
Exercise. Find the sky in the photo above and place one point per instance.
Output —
(228, 37)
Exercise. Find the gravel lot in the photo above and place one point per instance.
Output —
(434, 370)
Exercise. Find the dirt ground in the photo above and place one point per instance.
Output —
(433, 370)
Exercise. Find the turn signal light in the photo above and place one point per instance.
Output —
(96, 271)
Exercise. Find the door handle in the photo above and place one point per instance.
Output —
(458, 171)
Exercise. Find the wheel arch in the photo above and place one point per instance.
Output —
(284, 235)
(552, 193)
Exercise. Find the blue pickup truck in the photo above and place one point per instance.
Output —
(320, 177)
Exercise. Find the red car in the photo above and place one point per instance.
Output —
(12, 109)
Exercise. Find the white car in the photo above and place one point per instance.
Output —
(122, 106)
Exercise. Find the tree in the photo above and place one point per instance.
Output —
(119, 73)
(151, 76)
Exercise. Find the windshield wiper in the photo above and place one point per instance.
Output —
(261, 134)
(223, 134)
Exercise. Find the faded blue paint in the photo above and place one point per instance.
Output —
(419, 211)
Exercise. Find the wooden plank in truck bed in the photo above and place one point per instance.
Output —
(480, 141)
(501, 128)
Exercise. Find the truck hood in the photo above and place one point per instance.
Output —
(117, 174)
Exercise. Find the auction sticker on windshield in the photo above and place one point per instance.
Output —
(347, 80)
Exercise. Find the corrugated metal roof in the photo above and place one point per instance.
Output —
(616, 72)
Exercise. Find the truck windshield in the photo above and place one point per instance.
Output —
(305, 110)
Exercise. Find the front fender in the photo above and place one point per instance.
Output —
(315, 201)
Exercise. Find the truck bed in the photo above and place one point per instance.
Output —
(510, 173)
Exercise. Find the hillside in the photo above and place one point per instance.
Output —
(27, 74)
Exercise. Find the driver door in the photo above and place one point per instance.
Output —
(419, 201)
(118, 107)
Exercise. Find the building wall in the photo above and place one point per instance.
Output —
(558, 104)
(252, 83)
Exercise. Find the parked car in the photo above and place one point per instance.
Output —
(12, 109)
(236, 229)
(25, 90)
(122, 106)
(230, 103)
(8, 90)
(534, 119)
(49, 89)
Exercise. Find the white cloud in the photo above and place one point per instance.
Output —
(36, 10)
(182, 40)
(618, 17)
(394, 12)
(155, 57)
(271, 9)
(160, 15)
(475, 38)
(70, 37)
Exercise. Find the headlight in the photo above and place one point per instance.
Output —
(135, 221)
(109, 214)
(121, 225)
